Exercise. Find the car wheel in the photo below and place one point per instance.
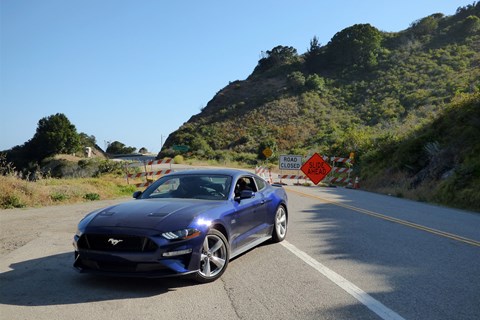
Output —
(214, 257)
(280, 224)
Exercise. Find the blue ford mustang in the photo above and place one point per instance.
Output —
(189, 222)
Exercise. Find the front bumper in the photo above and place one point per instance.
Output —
(166, 259)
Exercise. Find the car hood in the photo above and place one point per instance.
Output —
(152, 213)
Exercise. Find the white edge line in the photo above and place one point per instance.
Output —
(367, 300)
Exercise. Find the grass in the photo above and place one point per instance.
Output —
(18, 193)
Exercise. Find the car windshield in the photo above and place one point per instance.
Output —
(191, 186)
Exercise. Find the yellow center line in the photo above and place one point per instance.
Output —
(399, 221)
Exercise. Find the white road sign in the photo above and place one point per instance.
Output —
(290, 162)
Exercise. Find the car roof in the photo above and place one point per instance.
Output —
(220, 171)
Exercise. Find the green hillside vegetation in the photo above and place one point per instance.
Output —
(439, 162)
(399, 100)
(406, 103)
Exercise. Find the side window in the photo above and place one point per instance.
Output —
(251, 183)
(245, 183)
(260, 183)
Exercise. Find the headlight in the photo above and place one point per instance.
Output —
(181, 234)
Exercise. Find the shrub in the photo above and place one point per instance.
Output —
(59, 196)
(6, 167)
(92, 196)
(109, 166)
(178, 159)
(11, 201)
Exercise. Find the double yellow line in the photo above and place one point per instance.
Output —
(399, 221)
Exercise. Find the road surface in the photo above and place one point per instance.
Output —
(348, 254)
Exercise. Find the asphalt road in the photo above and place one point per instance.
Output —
(349, 254)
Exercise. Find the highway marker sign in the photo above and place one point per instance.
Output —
(267, 152)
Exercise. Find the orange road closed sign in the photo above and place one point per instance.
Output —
(316, 169)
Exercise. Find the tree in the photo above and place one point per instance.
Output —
(426, 25)
(117, 147)
(315, 82)
(283, 55)
(278, 56)
(87, 141)
(357, 45)
(296, 80)
(55, 134)
(315, 47)
(471, 25)
(315, 56)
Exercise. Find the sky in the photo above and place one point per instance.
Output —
(135, 70)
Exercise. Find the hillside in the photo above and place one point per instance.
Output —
(366, 91)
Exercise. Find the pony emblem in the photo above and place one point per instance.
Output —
(114, 242)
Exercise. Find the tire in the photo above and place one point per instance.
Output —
(280, 224)
(214, 257)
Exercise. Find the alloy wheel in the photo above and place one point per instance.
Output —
(213, 257)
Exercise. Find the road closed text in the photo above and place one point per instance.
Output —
(290, 162)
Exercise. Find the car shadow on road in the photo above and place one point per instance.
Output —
(52, 280)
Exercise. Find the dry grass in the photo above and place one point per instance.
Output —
(18, 193)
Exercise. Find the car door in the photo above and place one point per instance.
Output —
(249, 216)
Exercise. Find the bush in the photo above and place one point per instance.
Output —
(92, 196)
(178, 159)
(11, 201)
(6, 167)
(109, 166)
(59, 196)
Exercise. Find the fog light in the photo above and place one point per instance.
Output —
(176, 253)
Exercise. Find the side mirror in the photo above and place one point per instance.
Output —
(137, 194)
(245, 194)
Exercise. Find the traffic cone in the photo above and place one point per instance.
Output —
(356, 185)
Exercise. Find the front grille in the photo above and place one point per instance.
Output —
(122, 267)
(116, 243)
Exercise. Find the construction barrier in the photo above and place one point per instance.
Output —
(341, 169)
(144, 184)
(340, 160)
(264, 173)
(148, 175)
(340, 174)
(290, 176)
(339, 180)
